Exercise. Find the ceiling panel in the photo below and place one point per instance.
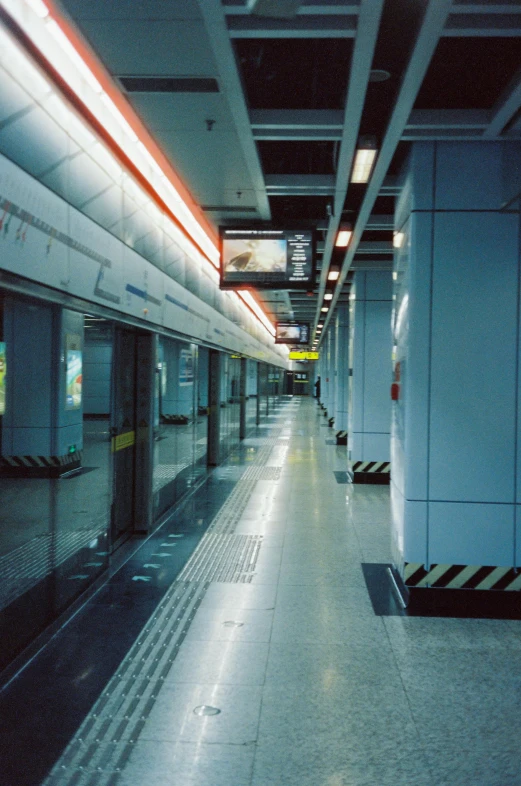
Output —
(183, 111)
(211, 163)
(131, 9)
(155, 47)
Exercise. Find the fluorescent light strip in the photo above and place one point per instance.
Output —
(364, 160)
(104, 109)
(343, 238)
(47, 35)
(248, 298)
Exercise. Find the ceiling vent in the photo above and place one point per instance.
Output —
(168, 84)
(280, 9)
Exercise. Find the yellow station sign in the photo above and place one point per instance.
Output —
(298, 355)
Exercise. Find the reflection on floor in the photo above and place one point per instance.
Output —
(257, 658)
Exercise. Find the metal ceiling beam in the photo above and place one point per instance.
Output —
(363, 51)
(483, 25)
(489, 7)
(434, 19)
(300, 185)
(448, 118)
(299, 27)
(309, 125)
(231, 87)
(507, 106)
(313, 9)
(268, 119)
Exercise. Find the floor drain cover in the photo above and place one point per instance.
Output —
(205, 709)
(232, 624)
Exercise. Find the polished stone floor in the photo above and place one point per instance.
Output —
(263, 662)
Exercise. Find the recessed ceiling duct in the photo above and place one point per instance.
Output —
(280, 9)
(168, 84)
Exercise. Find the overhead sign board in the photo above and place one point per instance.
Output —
(300, 355)
(292, 333)
(267, 258)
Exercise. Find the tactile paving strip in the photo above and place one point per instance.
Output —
(105, 740)
(224, 558)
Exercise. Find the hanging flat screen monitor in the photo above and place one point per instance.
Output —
(292, 333)
(267, 258)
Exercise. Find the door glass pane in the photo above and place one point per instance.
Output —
(176, 451)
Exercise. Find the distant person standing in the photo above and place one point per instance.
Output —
(317, 388)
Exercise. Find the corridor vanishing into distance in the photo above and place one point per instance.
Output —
(275, 655)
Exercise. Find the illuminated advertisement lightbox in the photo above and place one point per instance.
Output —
(74, 372)
(267, 258)
(292, 333)
(3, 371)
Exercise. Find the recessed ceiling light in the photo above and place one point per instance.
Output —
(364, 160)
(398, 239)
(333, 275)
(343, 237)
(328, 296)
(324, 308)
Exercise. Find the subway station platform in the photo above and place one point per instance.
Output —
(241, 645)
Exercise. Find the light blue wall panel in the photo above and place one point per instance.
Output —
(471, 534)
(517, 512)
(415, 369)
(30, 379)
(376, 447)
(378, 286)
(415, 529)
(356, 409)
(468, 177)
(377, 368)
(473, 380)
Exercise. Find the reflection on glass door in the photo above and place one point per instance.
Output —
(123, 433)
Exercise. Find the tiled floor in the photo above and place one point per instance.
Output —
(312, 687)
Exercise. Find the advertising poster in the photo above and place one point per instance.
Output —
(3, 371)
(186, 367)
(74, 371)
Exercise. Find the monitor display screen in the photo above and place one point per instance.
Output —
(267, 258)
(292, 333)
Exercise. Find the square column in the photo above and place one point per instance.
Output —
(370, 364)
(456, 495)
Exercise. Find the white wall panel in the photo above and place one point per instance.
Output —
(415, 368)
(415, 529)
(468, 177)
(377, 368)
(473, 375)
(471, 534)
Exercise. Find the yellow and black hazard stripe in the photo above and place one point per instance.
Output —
(40, 466)
(341, 438)
(445, 576)
(372, 466)
(371, 472)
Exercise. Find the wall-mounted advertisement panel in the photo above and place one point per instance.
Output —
(292, 333)
(74, 371)
(3, 372)
(267, 258)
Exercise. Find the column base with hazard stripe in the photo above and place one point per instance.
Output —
(40, 466)
(377, 472)
(478, 591)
